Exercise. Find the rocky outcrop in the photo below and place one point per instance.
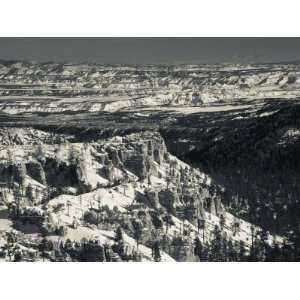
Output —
(82, 164)
(152, 198)
(12, 172)
(35, 170)
(114, 88)
(169, 199)
(83, 167)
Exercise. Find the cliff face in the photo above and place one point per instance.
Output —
(57, 88)
(133, 176)
(78, 168)
(85, 167)
(79, 140)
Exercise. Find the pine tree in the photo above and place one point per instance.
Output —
(168, 221)
(137, 231)
(222, 221)
(242, 251)
(69, 204)
(216, 245)
(232, 253)
(156, 251)
(235, 226)
(202, 226)
(156, 220)
(43, 247)
(198, 248)
(119, 235)
(224, 248)
(29, 193)
(189, 212)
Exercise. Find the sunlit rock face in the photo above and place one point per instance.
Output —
(84, 165)
(57, 88)
(68, 168)
(88, 148)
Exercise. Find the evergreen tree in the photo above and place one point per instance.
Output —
(216, 245)
(232, 253)
(198, 248)
(224, 249)
(168, 221)
(156, 220)
(119, 235)
(137, 231)
(156, 251)
(189, 212)
(201, 226)
(43, 247)
(242, 251)
(222, 221)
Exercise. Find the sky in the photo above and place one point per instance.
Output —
(151, 50)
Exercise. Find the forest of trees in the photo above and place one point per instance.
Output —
(259, 168)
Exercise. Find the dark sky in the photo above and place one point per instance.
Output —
(151, 50)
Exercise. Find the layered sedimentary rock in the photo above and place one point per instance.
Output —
(55, 88)
(84, 167)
